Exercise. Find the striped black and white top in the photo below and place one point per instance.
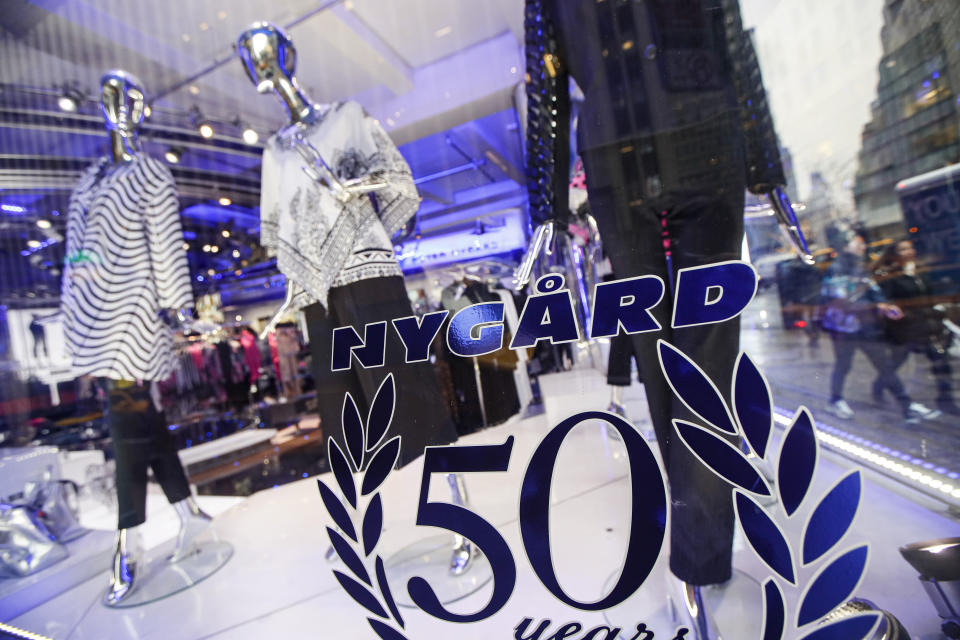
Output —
(124, 263)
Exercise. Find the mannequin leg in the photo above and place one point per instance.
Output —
(125, 568)
(462, 548)
(702, 229)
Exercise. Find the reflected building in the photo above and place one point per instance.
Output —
(915, 118)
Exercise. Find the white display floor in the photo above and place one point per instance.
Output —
(278, 584)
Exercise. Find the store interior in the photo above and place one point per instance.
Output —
(241, 400)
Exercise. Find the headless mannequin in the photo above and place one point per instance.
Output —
(269, 58)
(673, 128)
(131, 404)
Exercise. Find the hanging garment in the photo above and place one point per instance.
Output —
(319, 241)
(124, 263)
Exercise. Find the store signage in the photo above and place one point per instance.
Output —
(807, 578)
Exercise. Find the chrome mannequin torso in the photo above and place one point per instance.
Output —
(270, 60)
(122, 103)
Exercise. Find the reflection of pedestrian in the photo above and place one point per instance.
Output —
(853, 307)
(921, 329)
(39, 337)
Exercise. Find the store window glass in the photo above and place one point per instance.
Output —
(533, 319)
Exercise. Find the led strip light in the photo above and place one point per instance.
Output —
(20, 633)
(917, 473)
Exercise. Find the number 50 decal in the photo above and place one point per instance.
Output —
(647, 524)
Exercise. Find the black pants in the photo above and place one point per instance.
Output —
(939, 366)
(421, 415)
(619, 372)
(703, 227)
(845, 346)
(140, 440)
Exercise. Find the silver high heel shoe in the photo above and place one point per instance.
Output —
(687, 608)
(193, 522)
(127, 563)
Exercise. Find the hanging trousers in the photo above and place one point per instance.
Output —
(704, 227)
(140, 440)
(421, 415)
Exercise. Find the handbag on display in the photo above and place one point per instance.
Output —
(26, 545)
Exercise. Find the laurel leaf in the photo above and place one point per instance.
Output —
(722, 458)
(385, 592)
(342, 472)
(856, 628)
(752, 404)
(694, 389)
(775, 615)
(832, 518)
(381, 413)
(353, 431)
(372, 525)
(385, 632)
(381, 465)
(336, 510)
(764, 536)
(349, 556)
(833, 585)
(360, 593)
(798, 459)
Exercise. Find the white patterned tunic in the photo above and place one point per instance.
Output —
(124, 263)
(319, 241)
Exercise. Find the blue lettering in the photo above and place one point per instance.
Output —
(370, 352)
(626, 303)
(487, 319)
(713, 293)
(548, 314)
(417, 336)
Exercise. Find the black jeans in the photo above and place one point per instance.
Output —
(703, 227)
(140, 440)
(619, 373)
(421, 415)
(845, 346)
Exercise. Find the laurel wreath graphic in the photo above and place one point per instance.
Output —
(826, 582)
(373, 461)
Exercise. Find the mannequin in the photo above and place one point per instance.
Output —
(125, 278)
(673, 128)
(330, 226)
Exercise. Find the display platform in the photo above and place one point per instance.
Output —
(89, 556)
(430, 560)
(279, 584)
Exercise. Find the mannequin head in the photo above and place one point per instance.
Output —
(122, 101)
(270, 60)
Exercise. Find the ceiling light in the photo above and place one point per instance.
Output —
(33, 244)
(250, 135)
(206, 248)
(70, 98)
(12, 208)
(147, 111)
(214, 249)
(205, 129)
(204, 26)
(238, 317)
(236, 253)
(443, 31)
(225, 202)
(222, 15)
(44, 224)
(210, 272)
(204, 126)
(173, 155)
(186, 246)
(194, 90)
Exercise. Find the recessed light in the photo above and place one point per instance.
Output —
(250, 135)
(205, 129)
(443, 31)
(33, 244)
(185, 37)
(173, 155)
(44, 224)
(194, 90)
(221, 15)
(225, 202)
(214, 249)
(186, 246)
(204, 26)
(236, 253)
(206, 248)
(210, 272)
